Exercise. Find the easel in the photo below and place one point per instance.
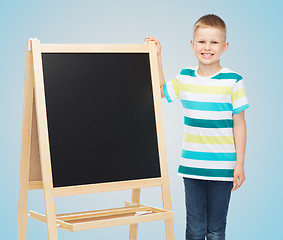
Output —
(35, 170)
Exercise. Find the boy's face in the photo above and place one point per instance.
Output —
(208, 45)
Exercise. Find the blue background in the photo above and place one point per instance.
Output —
(255, 36)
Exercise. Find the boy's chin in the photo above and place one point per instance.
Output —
(208, 62)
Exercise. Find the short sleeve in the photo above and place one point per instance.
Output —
(238, 97)
(171, 89)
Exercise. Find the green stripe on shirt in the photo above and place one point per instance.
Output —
(228, 76)
(206, 172)
(205, 123)
(188, 72)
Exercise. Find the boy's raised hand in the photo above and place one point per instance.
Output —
(156, 42)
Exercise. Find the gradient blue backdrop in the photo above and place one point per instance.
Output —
(255, 36)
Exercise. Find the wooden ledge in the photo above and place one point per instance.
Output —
(106, 218)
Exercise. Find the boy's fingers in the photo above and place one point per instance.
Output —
(148, 38)
(235, 180)
(235, 184)
(151, 39)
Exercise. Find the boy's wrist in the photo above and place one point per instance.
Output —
(240, 164)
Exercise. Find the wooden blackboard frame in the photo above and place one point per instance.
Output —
(36, 171)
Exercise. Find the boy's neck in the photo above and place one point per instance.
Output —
(208, 70)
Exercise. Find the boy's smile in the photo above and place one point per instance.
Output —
(208, 45)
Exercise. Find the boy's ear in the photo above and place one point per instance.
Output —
(225, 47)
(192, 44)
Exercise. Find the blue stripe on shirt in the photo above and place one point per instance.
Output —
(165, 90)
(209, 156)
(207, 106)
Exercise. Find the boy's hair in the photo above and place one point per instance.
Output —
(210, 20)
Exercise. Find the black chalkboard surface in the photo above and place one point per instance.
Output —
(100, 115)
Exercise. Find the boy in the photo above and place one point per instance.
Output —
(214, 100)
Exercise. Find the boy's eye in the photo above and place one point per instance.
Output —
(214, 42)
(201, 41)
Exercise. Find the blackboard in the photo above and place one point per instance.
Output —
(100, 116)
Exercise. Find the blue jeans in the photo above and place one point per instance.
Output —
(206, 208)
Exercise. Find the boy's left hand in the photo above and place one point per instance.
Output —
(239, 177)
(156, 42)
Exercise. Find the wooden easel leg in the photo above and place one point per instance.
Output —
(169, 225)
(51, 223)
(23, 200)
(44, 149)
(134, 227)
(43, 142)
(22, 210)
(25, 149)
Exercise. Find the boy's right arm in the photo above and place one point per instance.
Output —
(162, 81)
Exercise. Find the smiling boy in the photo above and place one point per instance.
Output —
(213, 151)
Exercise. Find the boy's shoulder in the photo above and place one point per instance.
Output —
(227, 73)
(190, 71)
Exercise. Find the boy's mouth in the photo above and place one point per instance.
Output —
(207, 55)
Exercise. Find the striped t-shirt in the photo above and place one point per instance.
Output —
(208, 150)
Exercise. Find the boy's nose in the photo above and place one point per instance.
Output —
(207, 46)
